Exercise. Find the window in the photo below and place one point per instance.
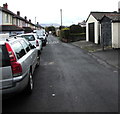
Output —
(25, 45)
(4, 57)
(6, 18)
(19, 50)
(29, 37)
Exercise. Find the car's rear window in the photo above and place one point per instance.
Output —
(19, 50)
(29, 37)
(4, 57)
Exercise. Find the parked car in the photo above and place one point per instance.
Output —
(18, 60)
(42, 36)
(33, 39)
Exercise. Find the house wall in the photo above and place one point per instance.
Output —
(23, 24)
(91, 20)
(115, 35)
(14, 21)
(7, 19)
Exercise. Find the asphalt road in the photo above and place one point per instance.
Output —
(68, 80)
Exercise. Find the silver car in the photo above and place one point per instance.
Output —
(17, 64)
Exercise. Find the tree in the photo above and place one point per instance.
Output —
(50, 28)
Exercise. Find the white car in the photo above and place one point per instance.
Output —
(33, 39)
(42, 36)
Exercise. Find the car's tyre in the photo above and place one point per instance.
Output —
(29, 87)
(42, 48)
(45, 44)
(38, 62)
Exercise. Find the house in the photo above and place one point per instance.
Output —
(7, 21)
(93, 26)
(13, 23)
(82, 24)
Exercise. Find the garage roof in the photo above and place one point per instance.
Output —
(99, 15)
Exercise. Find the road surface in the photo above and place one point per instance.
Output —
(68, 80)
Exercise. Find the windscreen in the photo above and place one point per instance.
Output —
(28, 37)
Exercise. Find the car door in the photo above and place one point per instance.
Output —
(31, 54)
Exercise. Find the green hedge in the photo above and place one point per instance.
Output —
(66, 34)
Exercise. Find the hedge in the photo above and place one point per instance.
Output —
(67, 36)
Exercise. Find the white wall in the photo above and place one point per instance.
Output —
(96, 27)
(115, 35)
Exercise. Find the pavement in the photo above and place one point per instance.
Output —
(109, 56)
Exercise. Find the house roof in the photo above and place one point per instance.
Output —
(11, 28)
(6, 10)
(99, 15)
(15, 15)
(82, 23)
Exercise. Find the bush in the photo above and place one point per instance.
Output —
(74, 33)
(64, 33)
(75, 29)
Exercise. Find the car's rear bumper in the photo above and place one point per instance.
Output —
(19, 83)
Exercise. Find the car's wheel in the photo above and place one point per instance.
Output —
(30, 84)
(42, 48)
(38, 62)
(45, 44)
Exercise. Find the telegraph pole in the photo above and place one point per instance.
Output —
(61, 16)
(35, 20)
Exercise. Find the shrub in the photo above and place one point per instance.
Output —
(75, 29)
(64, 33)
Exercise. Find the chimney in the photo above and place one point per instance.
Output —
(5, 6)
(18, 13)
(30, 20)
(37, 23)
(25, 17)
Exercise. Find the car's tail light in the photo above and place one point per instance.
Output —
(16, 67)
(37, 43)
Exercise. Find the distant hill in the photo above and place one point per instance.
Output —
(50, 24)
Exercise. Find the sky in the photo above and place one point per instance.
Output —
(48, 11)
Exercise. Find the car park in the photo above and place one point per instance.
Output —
(33, 39)
(18, 61)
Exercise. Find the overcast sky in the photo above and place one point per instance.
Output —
(48, 11)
